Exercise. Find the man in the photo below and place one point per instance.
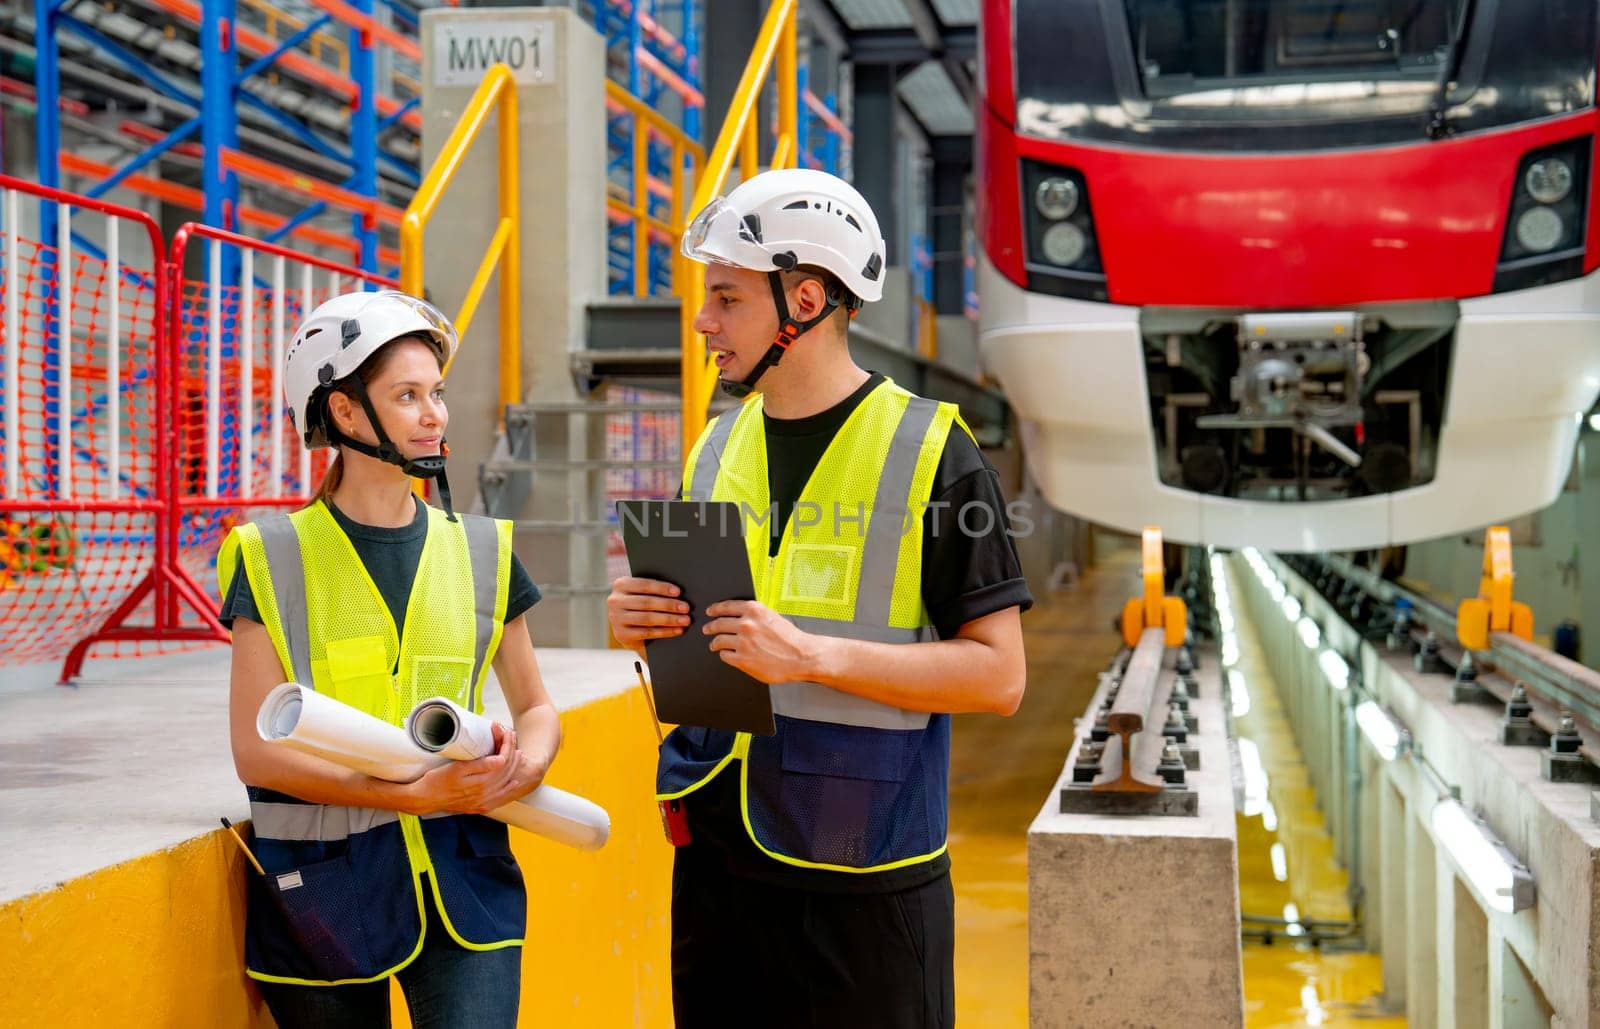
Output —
(815, 887)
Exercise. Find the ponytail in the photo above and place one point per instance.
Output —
(330, 480)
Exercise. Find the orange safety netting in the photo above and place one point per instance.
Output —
(62, 572)
(239, 477)
(84, 502)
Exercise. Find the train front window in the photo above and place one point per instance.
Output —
(1296, 74)
(1191, 47)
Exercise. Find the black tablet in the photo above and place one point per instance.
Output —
(698, 547)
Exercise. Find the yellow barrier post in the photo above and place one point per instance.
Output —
(776, 36)
(498, 92)
(1152, 609)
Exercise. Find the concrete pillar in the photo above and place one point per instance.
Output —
(875, 148)
(1393, 859)
(1464, 992)
(561, 100)
(1371, 838)
(952, 163)
(1522, 1004)
(1134, 919)
(1421, 898)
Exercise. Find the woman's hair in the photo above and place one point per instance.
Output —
(369, 370)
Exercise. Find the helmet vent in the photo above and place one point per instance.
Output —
(349, 332)
(850, 220)
(874, 266)
(750, 228)
(798, 205)
(312, 332)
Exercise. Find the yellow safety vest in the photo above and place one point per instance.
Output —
(845, 784)
(341, 901)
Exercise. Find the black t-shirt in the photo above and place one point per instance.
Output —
(391, 557)
(966, 573)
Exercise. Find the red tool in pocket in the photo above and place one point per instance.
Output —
(674, 817)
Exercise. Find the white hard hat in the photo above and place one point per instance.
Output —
(785, 218)
(339, 335)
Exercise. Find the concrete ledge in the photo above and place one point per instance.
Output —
(114, 861)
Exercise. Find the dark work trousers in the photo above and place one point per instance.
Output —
(746, 953)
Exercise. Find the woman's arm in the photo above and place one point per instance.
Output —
(536, 723)
(459, 786)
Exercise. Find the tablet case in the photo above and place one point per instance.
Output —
(697, 547)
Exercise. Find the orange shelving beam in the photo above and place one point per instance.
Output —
(276, 175)
(194, 200)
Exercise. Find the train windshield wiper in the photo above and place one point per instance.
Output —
(1438, 124)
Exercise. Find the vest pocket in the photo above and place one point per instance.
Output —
(308, 920)
(360, 668)
(484, 895)
(435, 676)
(837, 795)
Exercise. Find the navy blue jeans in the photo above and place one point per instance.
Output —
(447, 987)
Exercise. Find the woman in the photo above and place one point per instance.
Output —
(379, 601)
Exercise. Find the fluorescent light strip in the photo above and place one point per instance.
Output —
(1310, 635)
(1380, 730)
(1504, 883)
(1238, 693)
(1335, 668)
(1291, 609)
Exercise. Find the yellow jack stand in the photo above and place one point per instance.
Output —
(1154, 610)
(1493, 610)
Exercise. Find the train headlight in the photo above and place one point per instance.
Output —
(1063, 243)
(1056, 198)
(1539, 229)
(1548, 180)
(1545, 221)
(1057, 209)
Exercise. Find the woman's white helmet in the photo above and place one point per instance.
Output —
(786, 218)
(338, 336)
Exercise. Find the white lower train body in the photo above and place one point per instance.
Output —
(1524, 371)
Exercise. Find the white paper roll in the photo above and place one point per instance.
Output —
(302, 719)
(443, 727)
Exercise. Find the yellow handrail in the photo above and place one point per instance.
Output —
(647, 121)
(775, 44)
(498, 91)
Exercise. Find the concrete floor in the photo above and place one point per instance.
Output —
(1002, 768)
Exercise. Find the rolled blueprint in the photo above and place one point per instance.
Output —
(445, 728)
(304, 720)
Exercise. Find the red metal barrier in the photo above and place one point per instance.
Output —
(86, 454)
(140, 418)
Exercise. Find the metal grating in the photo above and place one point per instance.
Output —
(873, 14)
(957, 12)
(933, 98)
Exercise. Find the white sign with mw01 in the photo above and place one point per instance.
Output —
(464, 51)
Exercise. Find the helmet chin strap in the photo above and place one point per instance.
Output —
(430, 467)
(789, 330)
